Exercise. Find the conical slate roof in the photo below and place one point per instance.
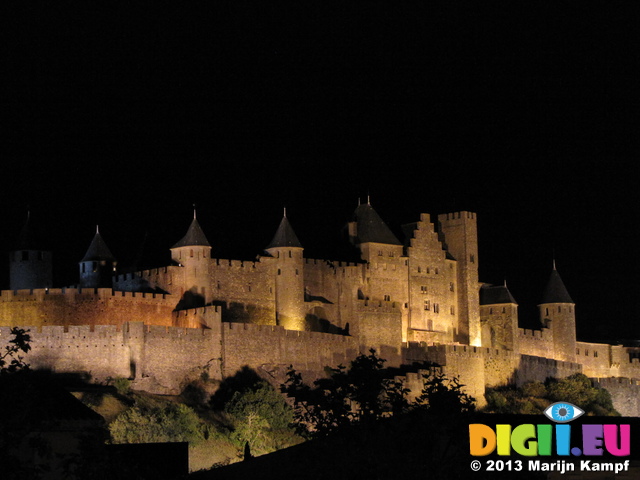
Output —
(98, 250)
(492, 295)
(195, 236)
(555, 291)
(27, 239)
(285, 236)
(371, 228)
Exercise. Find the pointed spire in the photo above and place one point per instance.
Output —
(371, 228)
(98, 250)
(194, 236)
(555, 291)
(285, 236)
(27, 238)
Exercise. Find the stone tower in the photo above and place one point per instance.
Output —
(287, 251)
(193, 253)
(557, 312)
(29, 263)
(369, 233)
(499, 318)
(460, 230)
(98, 265)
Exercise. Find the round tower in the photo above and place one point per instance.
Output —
(287, 251)
(557, 311)
(29, 263)
(192, 253)
(98, 265)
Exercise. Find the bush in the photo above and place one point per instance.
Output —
(168, 423)
(260, 417)
(535, 397)
(122, 385)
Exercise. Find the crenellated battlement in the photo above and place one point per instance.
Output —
(330, 263)
(379, 306)
(534, 334)
(44, 294)
(458, 215)
(273, 331)
(234, 264)
(145, 274)
(610, 382)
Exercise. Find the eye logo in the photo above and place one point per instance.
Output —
(563, 412)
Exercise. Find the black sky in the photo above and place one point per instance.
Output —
(125, 114)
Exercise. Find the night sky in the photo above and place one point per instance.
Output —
(126, 114)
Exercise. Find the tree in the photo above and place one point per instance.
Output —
(261, 418)
(10, 360)
(365, 393)
(152, 423)
(445, 396)
(535, 397)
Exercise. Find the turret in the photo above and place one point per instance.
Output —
(460, 231)
(557, 312)
(29, 263)
(287, 251)
(498, 317)
(98, 265)
(374, 239)
(192, 253)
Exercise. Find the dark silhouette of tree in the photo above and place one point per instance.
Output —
(445, 396)
(365, 393)
(10, 360)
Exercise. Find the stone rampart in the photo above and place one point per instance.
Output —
(499, 367)
(462, 361)
(84, 306)
(537, 343)
(266, 346)
(625, 393)
(538, 369)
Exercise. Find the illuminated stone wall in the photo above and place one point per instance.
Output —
(101, 306)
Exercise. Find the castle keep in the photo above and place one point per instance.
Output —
(419, 300)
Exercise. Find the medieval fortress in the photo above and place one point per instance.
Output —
(414, 301)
